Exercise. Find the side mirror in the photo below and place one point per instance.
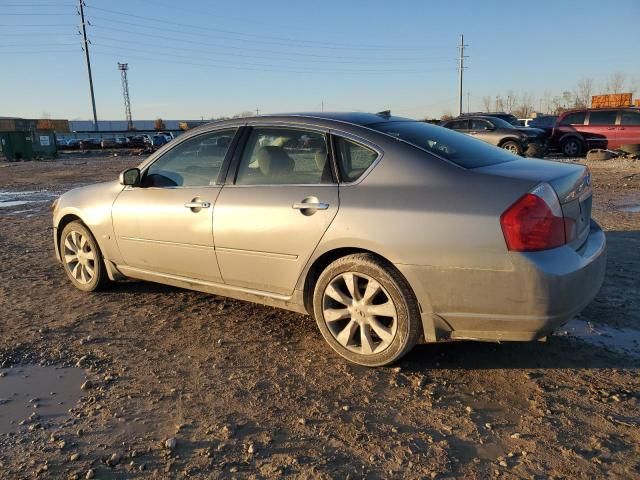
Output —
(130, 176)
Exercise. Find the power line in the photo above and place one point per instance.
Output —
(274, 70)
(295, 58)
(231, 47)
(260, 38)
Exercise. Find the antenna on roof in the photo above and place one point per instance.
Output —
(384, 113)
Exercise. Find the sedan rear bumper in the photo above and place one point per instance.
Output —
(541, 292)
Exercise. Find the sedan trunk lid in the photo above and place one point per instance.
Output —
(571, 182)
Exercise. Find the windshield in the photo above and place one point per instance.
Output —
(455, 147)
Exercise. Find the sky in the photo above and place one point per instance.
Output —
(206, 59)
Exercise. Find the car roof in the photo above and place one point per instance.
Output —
(353, 118)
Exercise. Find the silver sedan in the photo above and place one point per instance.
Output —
(387, 230)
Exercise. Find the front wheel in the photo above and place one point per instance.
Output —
(513, 147)
(81, 258)
(366, 311)
(571, 147)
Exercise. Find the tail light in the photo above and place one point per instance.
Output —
(534, 222)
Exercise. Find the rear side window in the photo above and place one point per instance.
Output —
(353, 159)
(606, 117)
(458, 125)
(477, 124)
(631, 117)
(576, 118)
(458, 148)
(281, 156)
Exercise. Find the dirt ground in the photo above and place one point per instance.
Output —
(247, 391)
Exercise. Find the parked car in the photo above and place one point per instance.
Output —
(122, 141)
(507, 117)
(545, 123)
(137, 141)
(89, 143)
(580, 130)
(386, 229)
(109, 142)
(497, 132)
(73, 144)
(158, 140)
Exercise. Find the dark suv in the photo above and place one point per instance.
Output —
(580, 130)
(498, 132)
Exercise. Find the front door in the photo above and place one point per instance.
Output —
(268, 222)
(165, 224)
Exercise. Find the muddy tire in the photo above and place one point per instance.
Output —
(535, 150)
(366, 311)
(600, 155)
(571, 147)
(513, 147)
(81, 258)
(633, 148)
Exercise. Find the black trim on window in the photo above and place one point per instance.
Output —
(231, 164)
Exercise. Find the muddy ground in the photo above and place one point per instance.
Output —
(247, 391)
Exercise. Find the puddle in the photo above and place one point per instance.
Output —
(36, 198)
(621, 340)
(631, 208)
(48, 391)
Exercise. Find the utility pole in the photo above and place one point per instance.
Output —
(258, 111)
(123, 67)
(86, 54)
(460, 69)
(322, 106)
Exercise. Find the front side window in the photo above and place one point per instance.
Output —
(193, 163)
(277, 156)
(631, 117)
(606, 117)
(575, 118)
(353, 159)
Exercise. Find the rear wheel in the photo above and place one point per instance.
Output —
(81, 258)
(513, 147)
(366, 311)
(571, 147)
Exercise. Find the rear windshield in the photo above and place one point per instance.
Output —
(455, 147)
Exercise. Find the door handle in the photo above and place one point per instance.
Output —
(310, 205)
(193, 204)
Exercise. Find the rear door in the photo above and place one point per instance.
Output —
(279, 200)
(600, 130)
(629, 129)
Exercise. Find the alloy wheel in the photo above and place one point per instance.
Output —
(79, 257)
(359, 313)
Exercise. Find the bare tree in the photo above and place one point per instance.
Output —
(159, 124)
(447, 115)
(583, 92)
(616, 82)
(512, 99)
(525, 107)
(499, 103)
(486, 103)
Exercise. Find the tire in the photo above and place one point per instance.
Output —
(600, 155)
(632, 148)
(513, 147)
(351, 333)
(536, 150)
(86, 270)
(571, 147)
